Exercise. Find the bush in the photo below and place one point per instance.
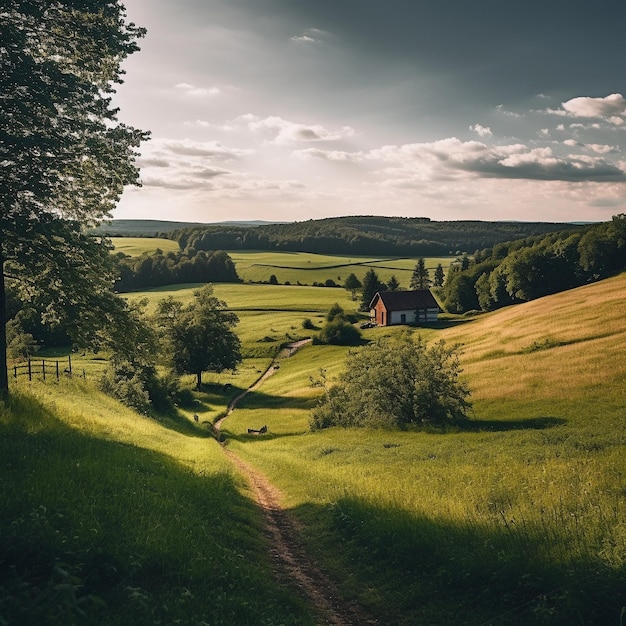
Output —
(340, 332)
(396, 382)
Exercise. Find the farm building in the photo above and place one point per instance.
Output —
(403, 307)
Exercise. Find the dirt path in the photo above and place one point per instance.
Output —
(292, 565)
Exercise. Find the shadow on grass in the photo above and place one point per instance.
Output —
(411, 569)
(533, 423)
(100, 532)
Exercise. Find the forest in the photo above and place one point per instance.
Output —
(363, 235)
(158, 269)
(518, 271)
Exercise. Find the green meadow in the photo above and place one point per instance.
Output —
(295, 267)
(516, 519)
(307, 268)
(136, 246)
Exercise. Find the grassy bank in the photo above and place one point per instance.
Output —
(111, 518)
(516, 520)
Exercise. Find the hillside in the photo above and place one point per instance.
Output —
(517, 519)
(357, 235)
(155, 228)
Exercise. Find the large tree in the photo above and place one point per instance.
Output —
(199, 337)
(64, 156)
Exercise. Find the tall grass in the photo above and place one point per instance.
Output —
(519, 519)
(110, 518)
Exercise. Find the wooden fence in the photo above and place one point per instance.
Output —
(46, 368)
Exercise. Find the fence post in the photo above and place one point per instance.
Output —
(30, 371)
(43, 369)
(57, 370)
(15, 371)
(69, 360)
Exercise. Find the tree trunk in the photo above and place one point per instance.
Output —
(199, 381)
(4, 375)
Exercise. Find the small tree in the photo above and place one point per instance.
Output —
(393, 284)
(335, 311)
(439, 276)
(199, 337)
(352, 284)
(420, 278)
(394, 382)
(339, 329)
(371, 285)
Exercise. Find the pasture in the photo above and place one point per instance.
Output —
(516, 519)
(306, 268)
(296, 267)
(521, 514)
(136, 246)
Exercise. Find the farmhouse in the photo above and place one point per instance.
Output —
(403, 307)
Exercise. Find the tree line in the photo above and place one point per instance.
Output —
(157, 269)
(518, 271)
(362, 235)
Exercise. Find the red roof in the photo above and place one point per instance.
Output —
(406, 300)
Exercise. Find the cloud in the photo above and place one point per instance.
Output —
(282, 131)
(192, 90)
(482, 131)
(329, 155)
(310, 36)
(452, 160)
(186, 147)
(611, 109)
(450, 157)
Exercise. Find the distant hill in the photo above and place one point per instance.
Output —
(155, 228)
(363, 235)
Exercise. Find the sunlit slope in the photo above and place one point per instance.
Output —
(563, 346)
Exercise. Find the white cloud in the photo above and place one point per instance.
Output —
(192, 90)
(611, 109)
(283, 131)
(482, 131)
(310, 36)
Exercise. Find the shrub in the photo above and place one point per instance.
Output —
(395, 382)
(340, 332)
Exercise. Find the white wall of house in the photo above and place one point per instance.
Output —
(408, 316)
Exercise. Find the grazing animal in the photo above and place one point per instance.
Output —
(195, 418)
(260, 431)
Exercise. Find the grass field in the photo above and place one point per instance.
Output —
(518, 519)
(136, 246)
(294, 267)
(268, 314)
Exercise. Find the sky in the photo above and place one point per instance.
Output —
(290, 110)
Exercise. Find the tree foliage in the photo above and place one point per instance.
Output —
(420, 278)
(199, 337)
(158, 269)
(339, 329)
(395, 382)
(367, 235)
(371, 285)
(352, 284)
(64, 157)
(523, 270)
